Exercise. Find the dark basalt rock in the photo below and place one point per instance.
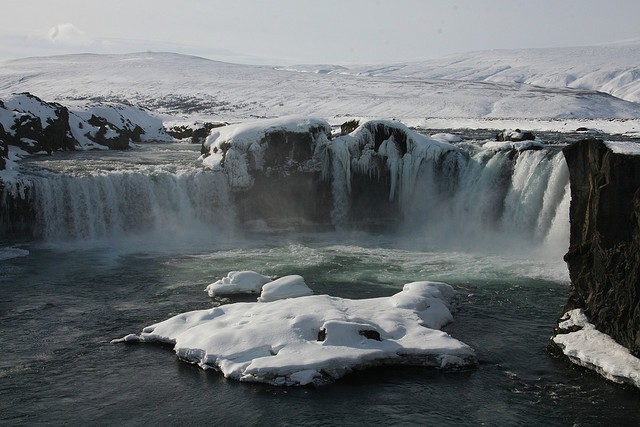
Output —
(197, 134)
(17, 214)
(349, 126)
(122, 137)
(517, 136)
(604, 252)
(370, 334)
(288, 184)
(382, 132)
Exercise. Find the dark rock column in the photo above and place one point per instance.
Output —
(604, 253)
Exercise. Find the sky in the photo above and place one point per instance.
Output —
(341, 32)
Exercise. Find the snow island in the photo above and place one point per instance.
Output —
(292, 338)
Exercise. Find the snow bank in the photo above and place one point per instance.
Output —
(285, 287)
(594, 350)
(511, 145)
(446, 137)
(315, 339)
(238, 282)
(250, 282)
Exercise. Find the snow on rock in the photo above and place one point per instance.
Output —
(238, 282)
(243, 148)
(315, 339)
(446, 137)
(624, 147)
(285, 287)
(27, 104)
(515, 135)
(584, 345)
(429, 299)
(509, 145)
(34, 125)
(114, 125)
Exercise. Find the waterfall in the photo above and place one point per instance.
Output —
(469, 197)
(383, 176)
(496, 200)
(115, 203)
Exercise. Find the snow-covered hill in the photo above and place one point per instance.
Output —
(494, 85)
(612, 69)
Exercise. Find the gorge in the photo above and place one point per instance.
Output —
(295, 174)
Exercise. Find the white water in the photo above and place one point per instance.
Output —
(515, 205)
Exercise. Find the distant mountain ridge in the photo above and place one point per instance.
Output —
(601, 82)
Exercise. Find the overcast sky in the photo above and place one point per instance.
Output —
(310, 31)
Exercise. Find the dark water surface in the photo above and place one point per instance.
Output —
(59, 308)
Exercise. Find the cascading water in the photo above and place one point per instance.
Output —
(493, 200)
(477, 198)
(100, 195)
(447, 197)
(114, 203)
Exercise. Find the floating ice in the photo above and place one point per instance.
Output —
(316, 339)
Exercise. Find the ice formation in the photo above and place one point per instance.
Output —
(241, 148)
(316, 339)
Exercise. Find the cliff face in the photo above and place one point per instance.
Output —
(604, 252)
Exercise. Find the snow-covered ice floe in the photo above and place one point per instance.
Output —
(238, 282)
(250, 282)
(588, 347)
(316, 339)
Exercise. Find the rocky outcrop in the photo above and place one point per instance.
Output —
(34, 125)
(276, 170)
(515, 135)
(604, 253)
(286, 169)
(197, 132)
